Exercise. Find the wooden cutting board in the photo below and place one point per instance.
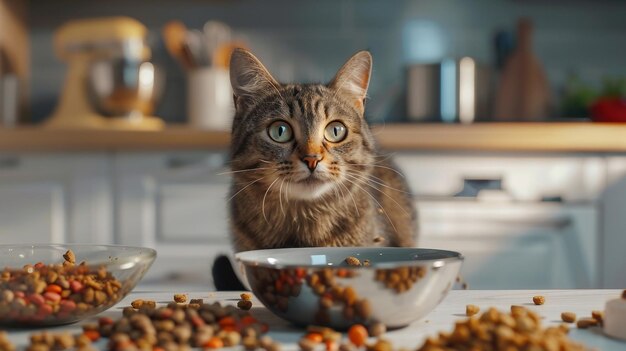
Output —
(523, 93)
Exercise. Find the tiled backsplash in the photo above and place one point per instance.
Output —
(309, 40)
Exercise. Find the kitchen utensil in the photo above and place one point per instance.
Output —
(523, 92)
(302, 285)
(126, 264)
(210, 99)
(198, 48)
(448, 91)
(124, 88)
(175, 38)
(85, 44)
(217, 34)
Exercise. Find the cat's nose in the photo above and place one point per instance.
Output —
(311, 161)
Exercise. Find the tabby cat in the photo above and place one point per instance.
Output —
(305, 167)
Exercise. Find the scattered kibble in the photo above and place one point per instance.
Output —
(352, 261)
(568, 317)
(493, 330)
(358, 335)
(471, 310)
(539, 300)
(244, 304)
(598, 316)
(5, 343)
(180, 298)
(585, 323)
(624, 294)
(246, 296)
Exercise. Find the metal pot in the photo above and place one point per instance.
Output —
(449, 91)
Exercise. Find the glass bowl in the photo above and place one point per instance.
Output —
(39, 286)
(316, 286)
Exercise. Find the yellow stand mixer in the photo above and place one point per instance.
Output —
(110, 82)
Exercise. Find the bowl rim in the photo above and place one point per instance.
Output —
(244, 259)
(148, 252)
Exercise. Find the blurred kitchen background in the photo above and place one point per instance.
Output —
(115, 130)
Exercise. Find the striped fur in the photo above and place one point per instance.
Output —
(357, 198)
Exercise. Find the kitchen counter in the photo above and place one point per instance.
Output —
(513, 137)
(581, 302)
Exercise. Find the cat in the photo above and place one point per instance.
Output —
(305, 167)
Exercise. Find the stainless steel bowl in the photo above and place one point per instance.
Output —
(124, 88)
(316, 286)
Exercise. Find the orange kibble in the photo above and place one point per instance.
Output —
(214, 343)
(54, 288)
(158, 348)
(248, 320)
(331, 345)
(358, 335)
(92, 335)
(227, 322)
(315, 337)
(300, 272)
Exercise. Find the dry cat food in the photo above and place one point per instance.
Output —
(40, 293)
(180, 327)
(585, 323)
(400, 279)
(353, 261)
(46, 341)
(624, 294)
(539, 300)
(568, 317)
(139, 303)
(518, 330)
(180, 298)
(598, 316)
(471, 310)
(5, 343)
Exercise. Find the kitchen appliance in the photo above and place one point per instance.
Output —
(448, 91)
(110, 82)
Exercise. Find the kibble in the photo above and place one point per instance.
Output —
(180, 298)
(5, 343)
(585, 323)
(568, 317)
(244, 304)
(352, 261)
(246, 296)
(471, 310)
(598, 316)
(539, 300)
(624, 294)
(43, 293)
(519, 330)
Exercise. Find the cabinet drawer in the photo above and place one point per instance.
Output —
(521, 178)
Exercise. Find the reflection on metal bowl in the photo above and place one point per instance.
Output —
(124, 88)
(316, 286)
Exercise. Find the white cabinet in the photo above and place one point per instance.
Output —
(516, 246)
(614, 224)
(176, 203)
(521, 221)
(55, 198)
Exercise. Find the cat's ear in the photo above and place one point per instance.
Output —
(248, 77)
(353, 78)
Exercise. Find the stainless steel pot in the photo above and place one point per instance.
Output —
(449, 91)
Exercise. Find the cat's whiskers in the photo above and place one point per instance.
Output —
(380, 191)
(245, 187)
(379, 166)
(360, 174)
(280, 196)
(264, 196)
(376, 201)
(352, 196)
(246, 170)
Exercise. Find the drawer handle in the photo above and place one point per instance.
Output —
(473, 186)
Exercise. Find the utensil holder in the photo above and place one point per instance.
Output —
(210, 99)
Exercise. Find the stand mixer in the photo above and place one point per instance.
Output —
(110, 83)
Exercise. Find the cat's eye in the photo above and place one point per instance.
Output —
(335, 132)
(280, 131)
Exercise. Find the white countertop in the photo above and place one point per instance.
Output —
(581, 302)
